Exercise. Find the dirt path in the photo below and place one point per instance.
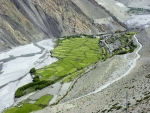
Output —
(131, 60)
(132, 64)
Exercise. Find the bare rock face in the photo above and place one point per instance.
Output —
(25, 21)
(21, 23)
(145, 34)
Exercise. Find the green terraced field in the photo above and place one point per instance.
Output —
(72, 76)
(74, 54)
(25, 108)
(44, 100)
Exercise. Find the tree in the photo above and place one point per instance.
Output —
(32, 71)
(36, 79)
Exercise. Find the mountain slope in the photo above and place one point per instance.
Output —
(25, 21)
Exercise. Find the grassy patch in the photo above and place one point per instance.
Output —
(74, 54)
(72, 76)
(44, 100)
(25, 108)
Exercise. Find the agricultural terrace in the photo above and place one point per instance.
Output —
(26, 107)
(43, 101)
(74, 55)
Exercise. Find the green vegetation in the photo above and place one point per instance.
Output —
(74, 54)
(127, 45)
(138, 11)
(72, 76)
(131, 34)
(32, 71)
(25, 108)
(36, 79)
(32, 87)
(44, 100)
(115, 107)
(142, 99)
(146, 97)
(103, 111)
(112, 40)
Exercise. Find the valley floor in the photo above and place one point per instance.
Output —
(84, 98)
(15, 65)
(103, 88)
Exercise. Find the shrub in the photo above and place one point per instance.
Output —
(19, 93)
(146, 97)
(37, 86)
(32, 71)
(36, 79)
(118, 107)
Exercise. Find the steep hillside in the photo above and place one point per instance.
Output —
(25, 21)
(99, 15)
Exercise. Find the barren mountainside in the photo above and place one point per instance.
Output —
(74, 56)
(25, 21)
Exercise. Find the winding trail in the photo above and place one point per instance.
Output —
(132, 64)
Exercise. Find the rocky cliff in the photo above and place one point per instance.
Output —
(25, 21)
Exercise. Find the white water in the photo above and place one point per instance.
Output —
(132, 63)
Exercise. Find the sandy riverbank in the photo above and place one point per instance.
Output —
(15, 65)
